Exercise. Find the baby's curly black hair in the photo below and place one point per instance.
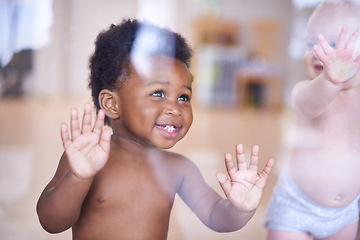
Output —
(109, 64)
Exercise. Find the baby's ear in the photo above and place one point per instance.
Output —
(109, 101)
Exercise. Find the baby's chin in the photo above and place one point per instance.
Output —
(314, 73)
(166, 145)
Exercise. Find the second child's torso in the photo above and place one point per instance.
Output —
(130, 199)
(325, 160)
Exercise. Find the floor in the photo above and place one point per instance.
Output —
(30, 147)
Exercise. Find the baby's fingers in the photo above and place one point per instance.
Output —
(240, 157)
(65, 137)
(352, 41)
(224, 183)
(99, 123)
(357, 60)
(265, 173)
(254, 159)
(230, 167)
(326, 48)
(74, 123)
(87, 119)
(105, 139)
(341, 41)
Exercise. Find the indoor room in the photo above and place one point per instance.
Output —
(247, 57)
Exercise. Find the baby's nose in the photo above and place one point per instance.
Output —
(172, 107)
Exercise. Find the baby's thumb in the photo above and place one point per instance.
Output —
(224, 182)
(105, 138)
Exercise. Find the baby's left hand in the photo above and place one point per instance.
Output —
(245, 187)
(339, 63)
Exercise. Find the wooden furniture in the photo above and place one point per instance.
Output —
(260, 85)
(262, 71)
(216, 57)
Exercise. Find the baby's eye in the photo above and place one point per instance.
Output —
(158, 93)
(311, 45)
(333, 45)
(184, 98)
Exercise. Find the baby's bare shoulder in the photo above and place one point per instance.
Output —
(176, 165)
(177, 159)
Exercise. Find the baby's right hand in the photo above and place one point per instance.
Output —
(87, 149)
(339, 64)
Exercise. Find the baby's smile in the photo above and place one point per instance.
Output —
(169, 129)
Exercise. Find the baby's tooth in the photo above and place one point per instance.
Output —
(169, 128)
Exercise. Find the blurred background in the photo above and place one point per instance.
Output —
(247, 57)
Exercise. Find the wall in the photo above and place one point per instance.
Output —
(61, 67)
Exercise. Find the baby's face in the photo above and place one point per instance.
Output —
(156, 102)
(328, 21)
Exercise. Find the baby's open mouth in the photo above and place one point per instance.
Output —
(319, 67)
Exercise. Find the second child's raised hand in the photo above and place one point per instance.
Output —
(87, 148)
(245, 187)
(339, 62)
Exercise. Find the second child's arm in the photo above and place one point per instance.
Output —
(310, 98)
(86, 152)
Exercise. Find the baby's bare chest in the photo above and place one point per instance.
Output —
(340, 124)
(127, 203)
(129, 187)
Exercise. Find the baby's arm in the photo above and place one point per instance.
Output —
(243, 191)
(310, 98)
(86, 152)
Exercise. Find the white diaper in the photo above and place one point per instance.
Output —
(290, 210)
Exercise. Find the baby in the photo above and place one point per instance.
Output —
(119, 182)
(317, 195)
